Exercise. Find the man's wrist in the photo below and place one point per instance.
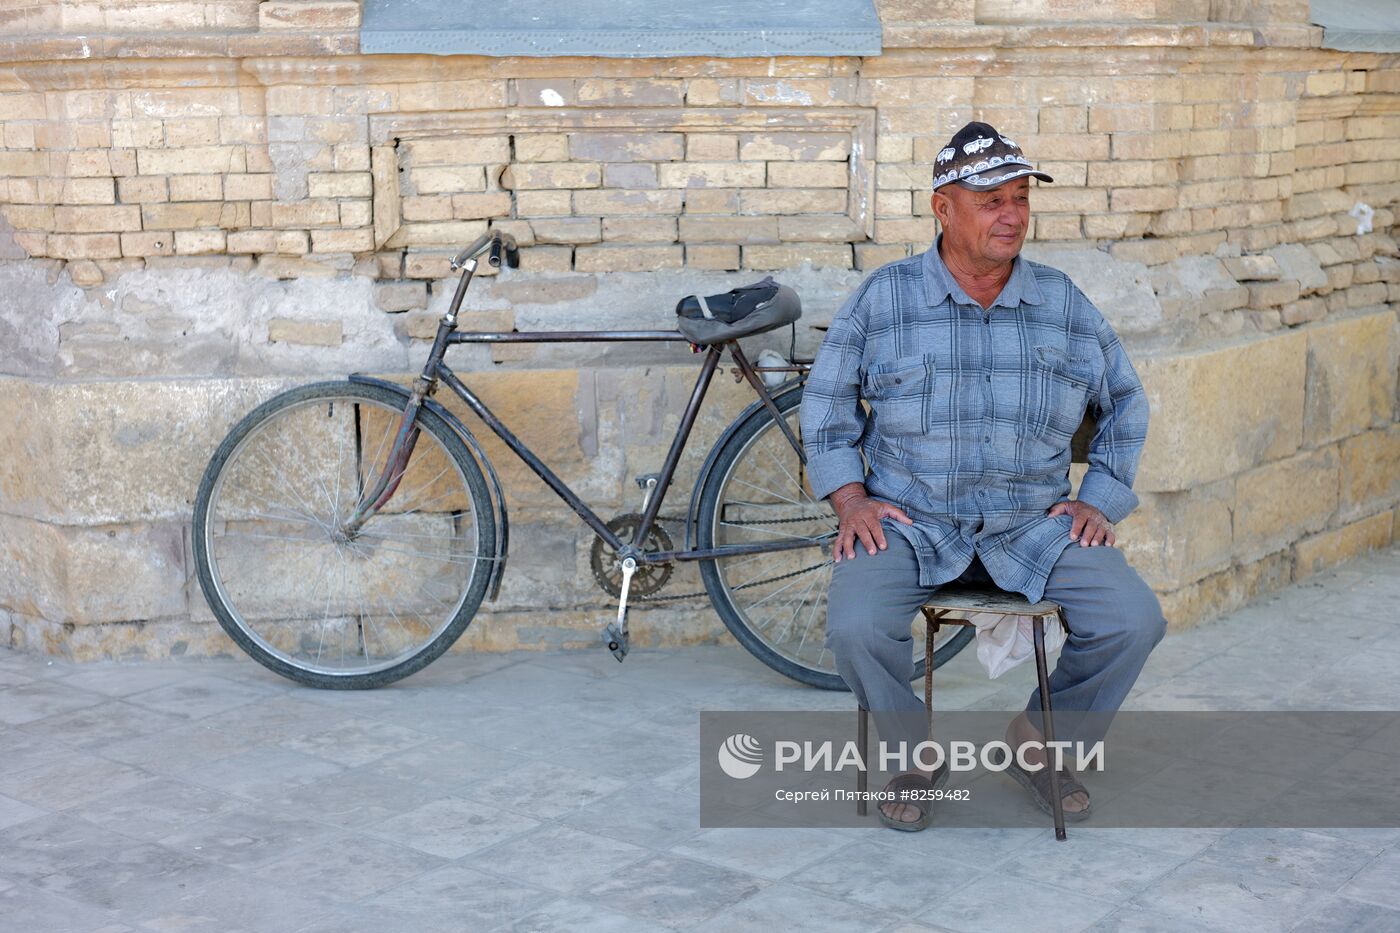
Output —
(847, 493)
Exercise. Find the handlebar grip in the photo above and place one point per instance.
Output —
(494, 257)
(470, 251)
(513, 257)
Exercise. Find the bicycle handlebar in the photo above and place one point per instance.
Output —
(497, 242)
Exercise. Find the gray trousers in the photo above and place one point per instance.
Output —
(1113, 616)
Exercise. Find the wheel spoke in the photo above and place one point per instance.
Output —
(778, 596)
(327, 605)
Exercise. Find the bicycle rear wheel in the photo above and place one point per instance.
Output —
(297, 592)
(774, 602)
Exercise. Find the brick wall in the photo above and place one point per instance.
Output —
(201, 200)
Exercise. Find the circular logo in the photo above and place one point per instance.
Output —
(740, 756)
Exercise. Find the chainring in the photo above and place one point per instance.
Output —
(647, 579)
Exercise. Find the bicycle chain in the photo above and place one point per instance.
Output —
(743, 586)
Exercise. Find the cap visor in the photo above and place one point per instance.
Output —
(994, 179)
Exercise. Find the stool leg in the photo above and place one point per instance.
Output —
(862, 737)
(930, 629)
(1056, 803)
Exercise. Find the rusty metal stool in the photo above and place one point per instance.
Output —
(966, 598)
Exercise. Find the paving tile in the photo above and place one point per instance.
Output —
(13, 812)
(121, 680)
(995, 903)
(884, 878)
(261, 773)
(340, 871)
(217, 796)
(24, 750)
(1298, 856)
(1098, 868)
(178, 750)
(1384, 837)
(154, 809)
(473, 899)
(198, 698)
(1343, 915)
(674, 892)
(354, 742)
(40, 699)
(33, 911)
(274, 719)
(354, 799)
(1134, 919)
(572, 915)
(1227, 898)
(1183, 841)
(977, 847)
(13, 677)
(644, 814)
(448, 764)
(248, 837)
(451, 827)
(231, 904)
(787, 907)
(599, 665)
(559, 858)
(130, 880)
(760, 852)
(543, 790)
(1363, 681)
(93, 727)
(44, 845)
(1378, 883)
(70, 780)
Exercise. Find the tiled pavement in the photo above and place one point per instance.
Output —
(557, 791)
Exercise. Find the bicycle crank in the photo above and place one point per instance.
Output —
(615, 635)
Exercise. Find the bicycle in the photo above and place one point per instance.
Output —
(345, 533)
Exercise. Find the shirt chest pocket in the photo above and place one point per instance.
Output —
(900, 394)
(1062, 387)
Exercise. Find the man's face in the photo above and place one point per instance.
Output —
(987, 225)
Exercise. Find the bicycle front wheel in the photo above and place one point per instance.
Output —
(301, 592)
(774, 602)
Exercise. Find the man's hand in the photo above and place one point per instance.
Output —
(860, 516)
(1090, 528)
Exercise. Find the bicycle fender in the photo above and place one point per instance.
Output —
(692, 510)
(498, 565)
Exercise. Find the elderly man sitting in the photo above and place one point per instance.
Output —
(978, 366)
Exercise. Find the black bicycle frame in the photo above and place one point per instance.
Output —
(437, 369)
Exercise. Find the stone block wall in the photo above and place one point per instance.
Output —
(205, 201)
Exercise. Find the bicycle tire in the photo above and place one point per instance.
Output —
(227, 615)
(735, 446)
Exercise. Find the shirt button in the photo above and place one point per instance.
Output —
(897, 381)
(987, 438)
(989, 378)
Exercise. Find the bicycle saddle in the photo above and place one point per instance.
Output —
(739, 312)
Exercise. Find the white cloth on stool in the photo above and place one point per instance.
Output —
(1004, 641)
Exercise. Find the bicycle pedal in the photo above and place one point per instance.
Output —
(616, 640)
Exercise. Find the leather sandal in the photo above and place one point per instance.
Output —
(909, 789)
(1038, 783)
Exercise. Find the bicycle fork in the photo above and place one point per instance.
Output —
(395, 467)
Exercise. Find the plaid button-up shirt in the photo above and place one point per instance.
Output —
(972, 412)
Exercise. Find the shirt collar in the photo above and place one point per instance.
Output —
(940, 284)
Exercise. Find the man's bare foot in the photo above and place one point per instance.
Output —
(1021, 731)
(905, 812)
